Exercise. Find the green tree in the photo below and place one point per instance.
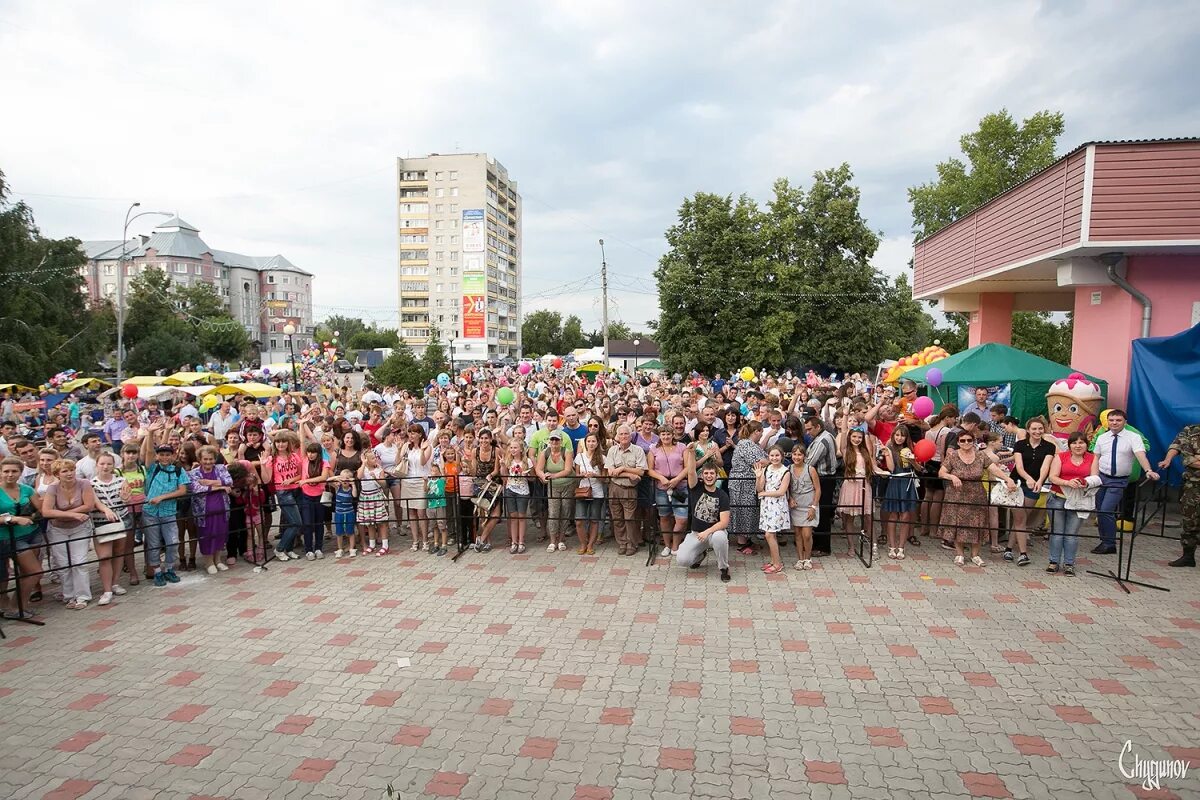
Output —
(541, 333)
(373, 338)
(572, 336)
(908, 327)
(46, 325)
(1000, 154)
(400, 369)
(346, 328)
(200, 300)
(434, 360)
(223, 338)
(162, 350)
(150, 309)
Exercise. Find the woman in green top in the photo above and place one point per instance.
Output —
(554, 468)
(16, 531)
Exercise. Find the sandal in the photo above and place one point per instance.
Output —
(746, 551)
(997, 549)
(771, 569)
(914, 541)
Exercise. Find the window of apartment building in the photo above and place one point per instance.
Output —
(286, 279)
(439, 240)
(441, 255)
(437, 176)
(453, 174)
(414, 208)
(454, 255)
(454, 239)
(414, 255)
(439, 224)
(418, 175)
(412, 238)
(438, 271)
(454, 206)
(439, 192)
(110, 289)
(271, 279)
(274, 343)
(454, 223)
(437, 287)
(181, 268)
(440, 208)
(454, 191)
(414, 223)
(109, 269)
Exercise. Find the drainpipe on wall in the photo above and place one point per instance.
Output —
(1110, 262)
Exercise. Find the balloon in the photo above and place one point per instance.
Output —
(746, 374)
(504, 396)
(1104, 418)
(443, 380)
(266, 371)
(924, 450)
(558, 362)
(922, 407)
(129, 391)
(209, 402)
(933, 377)
(524, 367)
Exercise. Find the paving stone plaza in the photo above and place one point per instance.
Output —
(558, 676)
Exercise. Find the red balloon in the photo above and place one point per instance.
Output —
(924, 450)
(558, 362)
(129, 391)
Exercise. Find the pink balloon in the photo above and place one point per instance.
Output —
(922, 407)
(524, 367)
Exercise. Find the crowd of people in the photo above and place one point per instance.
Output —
(687, 464)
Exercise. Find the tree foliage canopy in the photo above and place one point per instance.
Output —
(787, 285)
(545, 331)
(46, 325)
(158, 311)
(999, 155)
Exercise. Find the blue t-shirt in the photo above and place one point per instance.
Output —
(343, 501)
(162, 480)
(577, 434)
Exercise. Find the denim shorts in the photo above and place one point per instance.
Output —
(668, 505)
(589, 509)
(515, 503)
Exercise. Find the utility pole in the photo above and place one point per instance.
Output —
(604, 300)
(122, 263)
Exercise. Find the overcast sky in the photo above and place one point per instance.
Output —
(273, 127)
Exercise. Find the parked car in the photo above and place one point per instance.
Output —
(342, 365)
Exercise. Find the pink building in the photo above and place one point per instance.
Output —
(1110, 231)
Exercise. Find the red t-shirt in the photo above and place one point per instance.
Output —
(883, 430)
(314, 489)
(371, 428)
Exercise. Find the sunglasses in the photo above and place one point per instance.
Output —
(967, 440)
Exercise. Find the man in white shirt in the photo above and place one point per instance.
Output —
(1115, 451)
(85, 468)
(223, 421)
(188, 409)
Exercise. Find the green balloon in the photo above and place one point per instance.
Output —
(504, 396)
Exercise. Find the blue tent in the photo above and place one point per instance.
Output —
(1164, 390)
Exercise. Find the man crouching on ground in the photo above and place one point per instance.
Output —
(709, 519)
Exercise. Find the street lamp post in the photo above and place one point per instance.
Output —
(452, 373)
(121, 285)
(636, 344)
(289, 330)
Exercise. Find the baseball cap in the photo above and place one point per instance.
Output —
(164, 448)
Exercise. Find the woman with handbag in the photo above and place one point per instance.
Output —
(554, 469)
(484, 464)
(113, 494)
(589, 494)
(1032, 456)
(416, 456)
(1069, 475)
(965, 508)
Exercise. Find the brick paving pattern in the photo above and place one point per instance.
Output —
(551, 676)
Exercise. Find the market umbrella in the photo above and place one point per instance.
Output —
(591, 368)
(653, 363)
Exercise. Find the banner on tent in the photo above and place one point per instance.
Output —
(996, 394)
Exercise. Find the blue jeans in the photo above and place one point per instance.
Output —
(159, 531)
(312, 517)
(1064, 531)
(289, 518)
(1108, 500)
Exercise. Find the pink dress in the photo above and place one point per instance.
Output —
(855, 496)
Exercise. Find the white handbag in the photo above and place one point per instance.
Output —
(1079, 499)
(1001, 496)
(110, 532)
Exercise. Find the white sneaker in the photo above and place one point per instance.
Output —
(221, 567)
(211, 569)
(976, 560)
(666, 551)
(118, 590)
(808, 563)
(337, 554)
(562, 546)
(105, 599)
(292, 554)
(281, 556)
(415, 547)
(550, 548)
(959, 561)
(353, 553)
(319, 554)
(309, 556)
(799, 564)
(674, 553)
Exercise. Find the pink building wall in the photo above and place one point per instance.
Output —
(1103, 332)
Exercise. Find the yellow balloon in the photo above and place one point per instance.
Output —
(1104, 418)
(747, 374)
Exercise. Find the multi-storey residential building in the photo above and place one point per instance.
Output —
(459, 228)
(263, 293)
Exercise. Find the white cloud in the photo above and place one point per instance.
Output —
(274, 126)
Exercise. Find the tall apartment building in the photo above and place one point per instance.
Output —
(263, 293)
(459, 228)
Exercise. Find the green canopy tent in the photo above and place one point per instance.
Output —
(993, 365)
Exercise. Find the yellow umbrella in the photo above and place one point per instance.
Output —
(143, 380)
(591, 368)
(255, 390)
(193, 378)
(15, 387)
(84, 383)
